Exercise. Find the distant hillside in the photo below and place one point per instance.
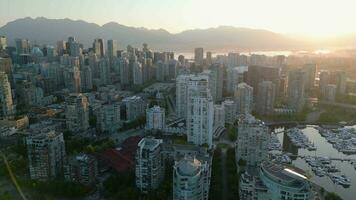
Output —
(48, 31)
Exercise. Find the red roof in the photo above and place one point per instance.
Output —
(124, 159)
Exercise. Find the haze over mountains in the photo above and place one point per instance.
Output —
(47, 31)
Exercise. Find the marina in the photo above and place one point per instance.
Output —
(342, 139)
(328, 167)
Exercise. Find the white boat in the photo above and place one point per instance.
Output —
(319, 172)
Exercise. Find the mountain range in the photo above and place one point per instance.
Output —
(47, 31)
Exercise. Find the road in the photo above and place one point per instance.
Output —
(225, 190)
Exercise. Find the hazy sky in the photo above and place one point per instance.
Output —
(309, 17)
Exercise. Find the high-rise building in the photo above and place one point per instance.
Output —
(137, 73)
(330, 92)
(112, 48)
(216, 76)
(199, 56)
(75, 49)
(82, 168)
(230, 111)
(219, 116)
(6, 66)
(209, 59)
(61, 47)
(200, 111)
(3, 42)
(155, 118)
(98, 47)
(86, 79)
(310, 70)
(77, 113)
(232, 59)
(191, 179)
(252, 141)
(135, 107)
(339, 79)
(108, 118)
(285, 182)
(46, 154)
(22, 46)
(104, 67)
(243, 97)
(72, 79)
(124, 71)
(234, 76)
(324, 80)
(295, 91)
(6, 103)
(161, 71)
(182, 95)
(265, 97)
(149, 164)
(257, 74)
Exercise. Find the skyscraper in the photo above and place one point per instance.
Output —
(230, 111)
(124, 71)
(310, 70)
(265, 97)
(6, 104)
(104, 67)
(98, 47)
(191, 179)
(149, 164)
(112, 48)
(86, 79)
(72, 79)
(199, 56)
(243, 97)
(77, 113)
(22, 46)
(295, 91)
(46, 153)
(137, 73)
(234, 76)
(216, 81)
(200, 111)
(182, 95)
(3, 42)
(257, 74)
(219, 116)
(209, 59)
(252, 141)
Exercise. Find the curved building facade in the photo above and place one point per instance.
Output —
(284, 182)
(191, 180)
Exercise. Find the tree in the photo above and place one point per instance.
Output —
(332, 196)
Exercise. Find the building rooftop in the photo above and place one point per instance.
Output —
(287, 174)
(149, 143)
(188, 166)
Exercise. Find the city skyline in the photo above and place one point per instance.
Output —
(175, 16)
